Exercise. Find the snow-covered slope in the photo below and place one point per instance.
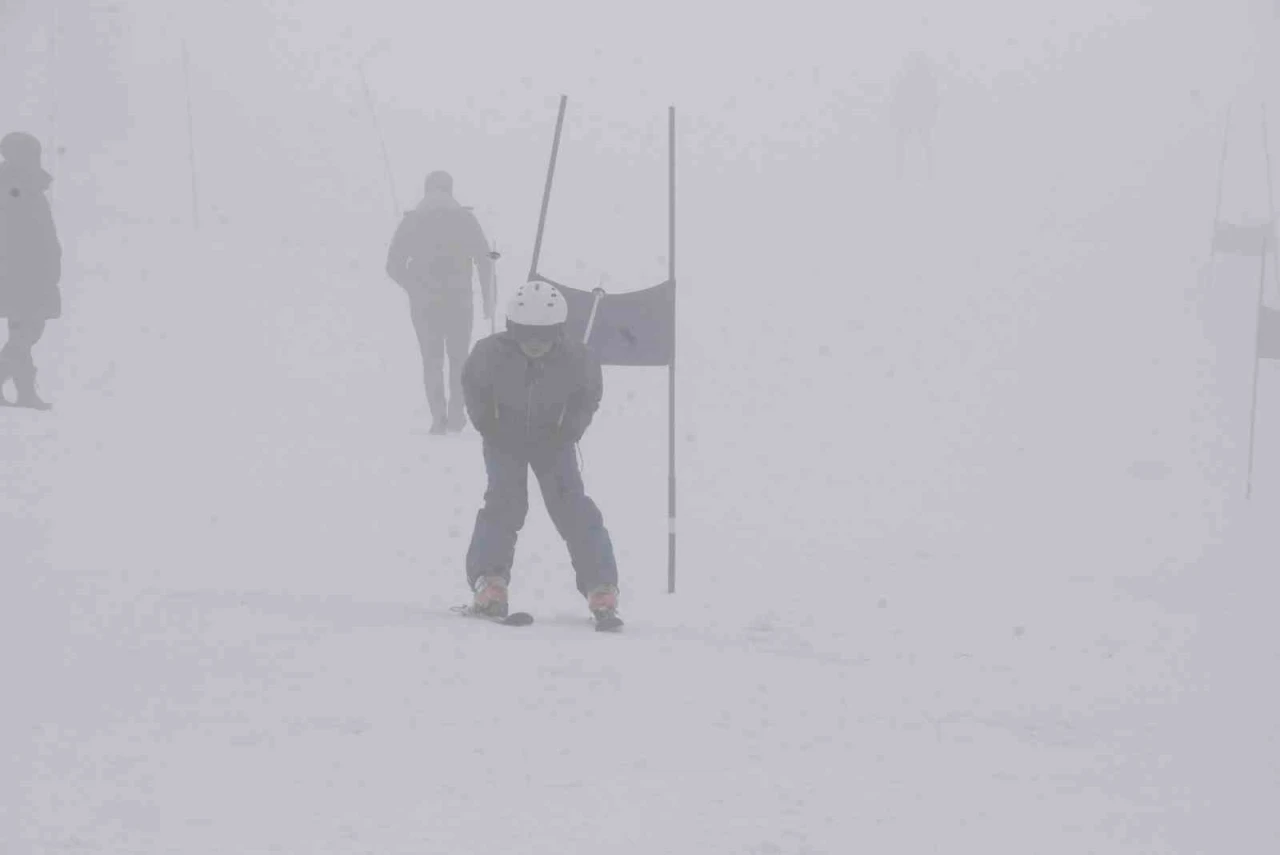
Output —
(964, 560)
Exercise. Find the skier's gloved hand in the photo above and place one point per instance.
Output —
(487, 428)
(572, 427)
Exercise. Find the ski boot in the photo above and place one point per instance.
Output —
(490, 596)
(24, 380)
(457, 419)
(6, 372)
(603, 603)
(27, 396)
(439, 409)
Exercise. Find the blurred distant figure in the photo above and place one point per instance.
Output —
(30, 263)
(431, 257)
(915, 108)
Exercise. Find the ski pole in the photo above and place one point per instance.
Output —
(494, 255)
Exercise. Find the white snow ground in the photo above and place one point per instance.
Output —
(964, 561)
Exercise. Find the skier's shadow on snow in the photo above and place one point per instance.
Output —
(345, 613)
(338, 611)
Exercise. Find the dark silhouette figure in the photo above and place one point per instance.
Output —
(915, 109)
(30, 263)
(432, 255)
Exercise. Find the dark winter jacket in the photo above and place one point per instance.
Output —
(528, 405)
(30, 255)
(436, 245)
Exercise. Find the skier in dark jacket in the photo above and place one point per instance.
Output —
(431, 257)
(531, 393)
(30, 263)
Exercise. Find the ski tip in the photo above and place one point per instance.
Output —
(513, 619)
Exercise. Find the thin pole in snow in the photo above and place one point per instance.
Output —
(546, 191)
(1222, 173)
(1267, 246)
(191, 137)
(1257, 359)
(382, 142)
(671, 369)
(53, 110)
(494, 255)
(1271, 203)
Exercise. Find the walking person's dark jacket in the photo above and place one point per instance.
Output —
(30, 254)
(435, 247)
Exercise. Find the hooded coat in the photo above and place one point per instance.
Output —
(436, 245)
(531, 406)
(916, 99)
(30, 254)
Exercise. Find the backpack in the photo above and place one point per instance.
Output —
(443, 246)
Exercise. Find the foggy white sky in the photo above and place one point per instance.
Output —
(1052, 112)
(754, 86)
(931, 391)
(1051, 107)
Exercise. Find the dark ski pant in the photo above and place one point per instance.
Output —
(442, 319)
(574, 514)
(15, 358)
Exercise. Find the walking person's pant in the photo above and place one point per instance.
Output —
(443, 321)
(15, 357)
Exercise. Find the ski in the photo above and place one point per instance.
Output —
(610, 623)
(513, 619)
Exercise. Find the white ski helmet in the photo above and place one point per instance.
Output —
(537, 304)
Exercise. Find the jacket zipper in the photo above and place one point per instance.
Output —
(528, 409)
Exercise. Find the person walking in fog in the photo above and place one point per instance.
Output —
(431, 257)
(30, 263)
(915, 108)
(531, 393)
